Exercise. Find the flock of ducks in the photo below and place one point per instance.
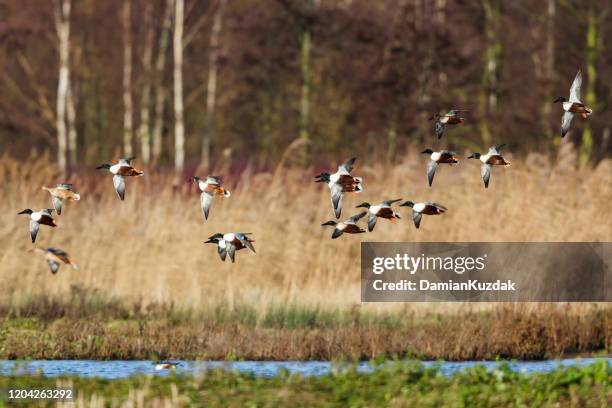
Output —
(339, 183)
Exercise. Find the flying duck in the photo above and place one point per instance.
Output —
(492, 158)
(229, 243)
(340, 182)
(418, 209)
(166, 365)
(443, 156)
(37, 218)
(120, 170)
(59, 193)
(452, 117)
(574, 105)
(382, 210)
(209, 187)
(55, 257)
(349, 226)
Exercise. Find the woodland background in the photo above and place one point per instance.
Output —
(187, 84)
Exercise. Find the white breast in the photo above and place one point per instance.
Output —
(375, 208)
(202, 185)
(36, 216)
(444, 119)
(567, 105)
(435, 156)
(484, 157)
(115, 168)
(229, 237)
(222, 243)
(334, 177)
(418, 207)
(341, 226)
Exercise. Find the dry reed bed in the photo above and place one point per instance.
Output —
(150, 247)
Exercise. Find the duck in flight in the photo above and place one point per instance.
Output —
(349, 226)
(443, 156)
(452, 117)
(55, 257)
(37, 218)
(339, 183)
(209, 187)
(382, 210)
(492, 158)
(428, 208)
(573, 105)
(59, 194)
(229, 243)
(122, 169)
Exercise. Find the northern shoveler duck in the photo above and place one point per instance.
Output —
(340, 182)
(37, 218)
(59, 193)
(166, 365)
(229, 243)
(55, 257)
(452, 117)
(418, 209)
(209, 187)
(349, 226)
(443, 156)
(122, 169)
(382, 210)
(492, 158)
(573, 106)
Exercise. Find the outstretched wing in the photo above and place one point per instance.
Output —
(439, 129)
(215, 180)
(485, 172)
(416, 217)
(63, 186)
(57, 204)
(371, 221)
(222, 253)
(495, 150)
(336, 198)
(566, 121)
(54, 266)
(34, 226)
(336, 233)
(126, 160)
(347, 166)
(431, 171)
(205, 202)
(119, 183)
(575, 89)
(390, 202)
(356, 217)
(245, 241)
(231, 250)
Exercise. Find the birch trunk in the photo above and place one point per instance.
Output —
(127, 79)
(179, 125)
(488, 98)
(144, 130)
(71, 119)
(160, 94)
(306, 87)
(211, 90)
(590, 98)
(62, 25)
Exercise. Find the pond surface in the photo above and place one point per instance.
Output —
(120, 368)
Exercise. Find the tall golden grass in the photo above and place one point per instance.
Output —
(150, 246)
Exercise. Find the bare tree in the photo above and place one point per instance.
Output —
(144, 130)
(62, 27)
(160, 94)
(179, 125)
(127, 78)
(211, 89)
(71, 120)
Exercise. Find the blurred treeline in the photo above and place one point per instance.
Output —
(181, 82)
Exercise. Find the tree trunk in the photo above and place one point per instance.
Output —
(179, 125)
(62, 25)
(590, 98)
(144, 130)
(213, 62)
(549, 69)
(306, 88)
(71, 119)
(127, 79)
(488, 97)
(160, 93)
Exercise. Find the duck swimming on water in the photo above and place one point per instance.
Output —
(573, 106)
(339, 183)
(209, 187)
(123, 168)
(38, 218)
(59, 194)
(492, 158)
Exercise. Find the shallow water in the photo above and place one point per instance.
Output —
(121, 369)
